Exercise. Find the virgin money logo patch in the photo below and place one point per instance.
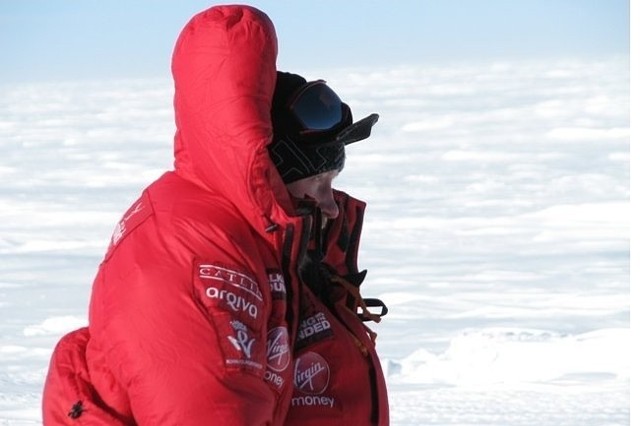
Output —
(278, 356)
(311, 374)
(278, 353)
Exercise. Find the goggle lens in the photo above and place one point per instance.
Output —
(317, 107)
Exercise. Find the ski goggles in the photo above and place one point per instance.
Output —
(321, 114)
(317, 108)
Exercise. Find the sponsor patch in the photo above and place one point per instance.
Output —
(278, 356)
(313, 328)
(278, 353)
(224, 288)
(311, 374)
(239, 280)
(137, 213)
(240, 347)
(235, 302)
(241, 340)
(277, 284)
(313, 401)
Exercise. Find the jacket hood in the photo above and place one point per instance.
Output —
(224, 68)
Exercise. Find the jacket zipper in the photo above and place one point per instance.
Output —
(289, 250)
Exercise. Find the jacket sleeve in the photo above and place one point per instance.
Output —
(181, 326)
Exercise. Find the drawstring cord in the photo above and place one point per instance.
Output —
(355, 293)
(366, 314)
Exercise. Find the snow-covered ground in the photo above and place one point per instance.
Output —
(497, 230)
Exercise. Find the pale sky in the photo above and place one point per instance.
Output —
(50, 40)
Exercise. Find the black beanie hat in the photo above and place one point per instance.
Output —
(297, 157)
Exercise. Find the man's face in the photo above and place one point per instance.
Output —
(318, 187)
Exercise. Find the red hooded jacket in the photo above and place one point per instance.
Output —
(198, 315)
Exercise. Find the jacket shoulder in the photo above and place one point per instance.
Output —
(197, 219)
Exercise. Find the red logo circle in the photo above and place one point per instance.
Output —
(311, 374)
(278, 354)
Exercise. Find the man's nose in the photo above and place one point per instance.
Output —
(329, 207)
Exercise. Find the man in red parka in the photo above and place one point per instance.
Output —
(229, 293)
